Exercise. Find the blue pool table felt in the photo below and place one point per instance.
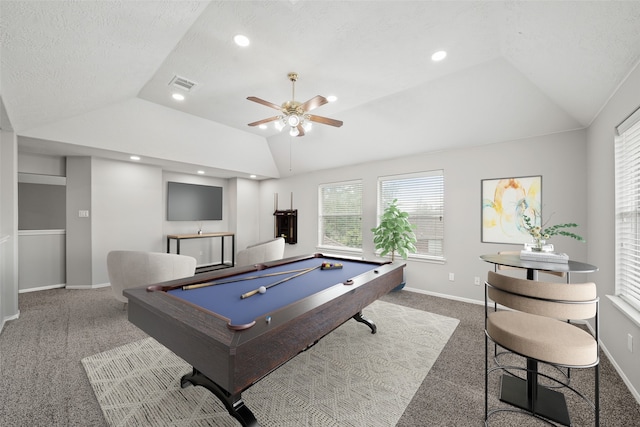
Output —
(225, 299)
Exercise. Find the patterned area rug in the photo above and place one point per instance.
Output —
(350, 378)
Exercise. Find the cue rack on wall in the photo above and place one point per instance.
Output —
(286, 222)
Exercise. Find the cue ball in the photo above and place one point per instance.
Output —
(262, 289)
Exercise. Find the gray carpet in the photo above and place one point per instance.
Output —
(350, 378)
(43, 383)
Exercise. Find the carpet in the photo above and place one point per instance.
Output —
(350, 378)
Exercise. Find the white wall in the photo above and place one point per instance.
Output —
(601, 210)
(126, 211)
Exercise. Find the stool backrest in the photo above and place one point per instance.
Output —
(557, 300)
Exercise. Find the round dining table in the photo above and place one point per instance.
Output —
(533, 267)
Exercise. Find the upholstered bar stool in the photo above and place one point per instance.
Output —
(560, 274)
(534, 326)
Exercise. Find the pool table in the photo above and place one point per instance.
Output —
(233, 333)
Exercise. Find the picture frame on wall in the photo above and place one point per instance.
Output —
(505, 202)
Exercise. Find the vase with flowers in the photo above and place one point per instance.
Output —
(541, 234)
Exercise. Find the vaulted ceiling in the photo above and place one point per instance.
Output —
(93, 78)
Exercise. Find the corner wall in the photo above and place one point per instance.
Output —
(8, 225)
(601, 210)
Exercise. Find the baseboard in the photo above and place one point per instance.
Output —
(8, 318)
(96, 286)
(445, 296)
(620, 372)
(41, 288)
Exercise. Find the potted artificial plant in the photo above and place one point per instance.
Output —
(394, 234)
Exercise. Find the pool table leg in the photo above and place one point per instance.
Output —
(359, 318)
(234, 404)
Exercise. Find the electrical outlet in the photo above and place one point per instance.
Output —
(476, 281)
(630, 343)
(451, 277)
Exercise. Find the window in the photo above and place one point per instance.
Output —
(627, 170)
(340, 215)
(421, 195)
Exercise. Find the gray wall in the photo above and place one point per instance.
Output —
(79, 257)
(601, 210)
(44, 249)
(8, 223)
(41, 206)
(563, 194)
(42, 222)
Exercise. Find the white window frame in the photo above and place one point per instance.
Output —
(627, 214)
(422, 230)
(357, 211)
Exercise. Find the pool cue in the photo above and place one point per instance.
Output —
(240, 279)
(255, 291)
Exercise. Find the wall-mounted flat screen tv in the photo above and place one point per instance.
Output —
(193, 202)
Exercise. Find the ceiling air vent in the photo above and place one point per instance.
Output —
(182, 83)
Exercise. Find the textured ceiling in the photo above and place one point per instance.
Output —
(514, 70)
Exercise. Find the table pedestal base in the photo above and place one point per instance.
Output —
(549, 403)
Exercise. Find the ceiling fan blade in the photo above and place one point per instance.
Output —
(263, 102)
(313, 103)
(259, 122)
(300, 130)
(325, 120)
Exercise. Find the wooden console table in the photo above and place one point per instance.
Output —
(222, 235)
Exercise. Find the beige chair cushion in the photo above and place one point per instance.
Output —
(270, 250)
(542, 338)
(128, 269)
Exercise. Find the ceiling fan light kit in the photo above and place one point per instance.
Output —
(294, 114)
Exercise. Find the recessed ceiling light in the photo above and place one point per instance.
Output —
(332, 98)
(201, 172)
(134, 158)
(252, 176)
(178, 96)
(439, 56)
(241, 40)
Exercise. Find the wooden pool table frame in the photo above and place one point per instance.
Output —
(227, 362)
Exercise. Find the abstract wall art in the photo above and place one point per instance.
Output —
(505, 202)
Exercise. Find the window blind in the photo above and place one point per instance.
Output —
(421, 195)
(340, 215)
(627, 183)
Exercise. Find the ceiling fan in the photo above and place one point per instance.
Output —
(295, 114)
